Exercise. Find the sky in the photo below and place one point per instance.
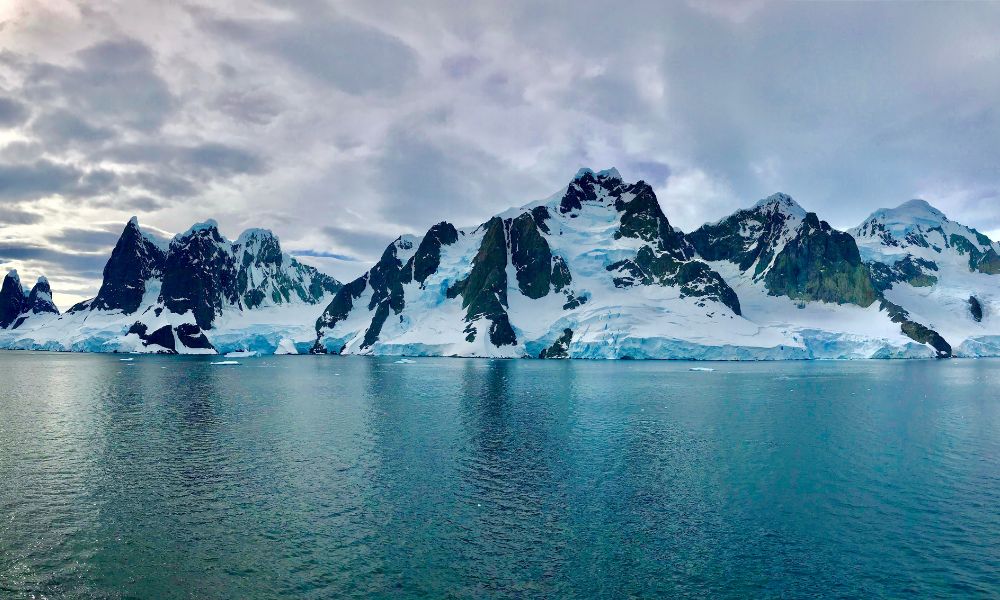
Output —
(341, 125)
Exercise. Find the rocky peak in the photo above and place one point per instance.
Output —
(135, 260)
(40, 298)
(590, 187)
(13, 301)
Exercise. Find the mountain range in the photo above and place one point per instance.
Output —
(594, 271)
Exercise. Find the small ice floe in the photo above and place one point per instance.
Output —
(226, 362)
(241, 354)
(701, 369)
(126, 359)
(405, 361)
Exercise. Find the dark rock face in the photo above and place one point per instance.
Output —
(747, 237)
(40, 298)
(667, 258)
(915, 331)
(642, 218)
(163, 337)
(823, 264)
(134, 261)
(989, 263)
(531, 257)
(191, 336)
(386, 281)
(976, 309)
(560, 347)
(428, 256)
(484, 291)
(343, 303)
(912, 270)
(585, 187)
(199, 275)
(13, 302)
(265, 273)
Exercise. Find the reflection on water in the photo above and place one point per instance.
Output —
(318, 477)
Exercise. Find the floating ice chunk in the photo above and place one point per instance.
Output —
(701, 369)
(126, 359)
(242, 354)
(405, 361)
(226, 362)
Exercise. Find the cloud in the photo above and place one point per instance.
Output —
(86, 239)
(12, 112)
(115, 80)
(52, 260)
(16, 216)
(23, 181)
(61, 127)
(338, 51)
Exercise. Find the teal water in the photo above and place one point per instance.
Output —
(328, 477)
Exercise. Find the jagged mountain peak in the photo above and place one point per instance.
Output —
(584, 172)
(919, 229)
(780, 202)
(208, 226)
(13, 276)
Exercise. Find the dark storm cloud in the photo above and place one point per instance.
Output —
(363, 242)
(12, 112)
(208, 158)
(24, 181)
(16, 216)
(114, 80)
(348, 55)
(86, 239)
(61, 127)
(55, 261)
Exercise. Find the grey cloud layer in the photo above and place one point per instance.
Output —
(344, 124)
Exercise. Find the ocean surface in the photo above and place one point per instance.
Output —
(331, 477)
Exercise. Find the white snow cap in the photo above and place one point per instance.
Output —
(13, 275)
(611, 173)
(134, 221)
(43, 280)
(912, 211)
(202, 226)
(783, 202)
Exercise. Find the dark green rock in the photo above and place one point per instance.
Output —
(912, 270)
(916, 331)
(484, 291)
(989, 263)
(642, 218)
(531, 257)
(822, 264)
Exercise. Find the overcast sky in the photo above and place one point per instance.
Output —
(340, 125)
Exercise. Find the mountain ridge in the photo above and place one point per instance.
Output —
(596, 270)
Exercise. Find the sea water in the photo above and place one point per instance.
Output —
(329, 477)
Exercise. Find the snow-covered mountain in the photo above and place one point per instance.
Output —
(598, 271)
(18, 304)
(594, 271)
(940, 273)
(197, 293)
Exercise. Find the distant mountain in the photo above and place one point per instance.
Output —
(17, 304)
(937, 272)
(596, 270)
(199, 292)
